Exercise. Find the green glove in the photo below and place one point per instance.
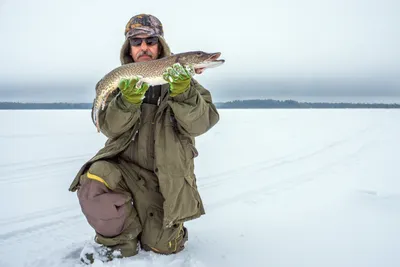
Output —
(178, 78)
(132, 93)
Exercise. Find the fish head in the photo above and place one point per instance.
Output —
(200, 59)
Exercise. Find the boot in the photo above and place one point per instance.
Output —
(94, 251)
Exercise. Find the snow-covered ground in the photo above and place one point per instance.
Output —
(298, 188)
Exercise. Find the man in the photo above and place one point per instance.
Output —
(140, 188)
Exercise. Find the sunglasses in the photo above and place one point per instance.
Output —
(138, 41)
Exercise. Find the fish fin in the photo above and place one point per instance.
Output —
(95, 118)
(102, 105)
(97, 126)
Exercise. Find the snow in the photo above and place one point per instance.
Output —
(280, 187)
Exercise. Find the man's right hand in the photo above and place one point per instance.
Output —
(130, 92)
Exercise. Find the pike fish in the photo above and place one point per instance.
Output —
(150, 72)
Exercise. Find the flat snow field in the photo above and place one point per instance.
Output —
(301, 188)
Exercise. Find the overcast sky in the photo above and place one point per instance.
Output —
(58, 49)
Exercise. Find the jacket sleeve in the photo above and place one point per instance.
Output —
(194, 110)
(118, 116)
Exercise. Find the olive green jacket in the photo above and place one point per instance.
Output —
(177, 122)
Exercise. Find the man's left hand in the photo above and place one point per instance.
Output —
(178, 78)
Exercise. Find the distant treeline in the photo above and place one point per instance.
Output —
(17, 105)
(288, 104)
(237, 104)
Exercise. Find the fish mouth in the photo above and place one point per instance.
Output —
(211, 62)
(215, 56)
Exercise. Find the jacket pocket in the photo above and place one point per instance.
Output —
(194, 151)
(190, 150)
(152, 226)
(190, 180)
(153, 231)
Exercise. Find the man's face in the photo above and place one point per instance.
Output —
(142, 50)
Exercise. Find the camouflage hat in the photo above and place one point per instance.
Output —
(144, 24)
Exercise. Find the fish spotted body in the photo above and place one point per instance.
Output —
(150, 72)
